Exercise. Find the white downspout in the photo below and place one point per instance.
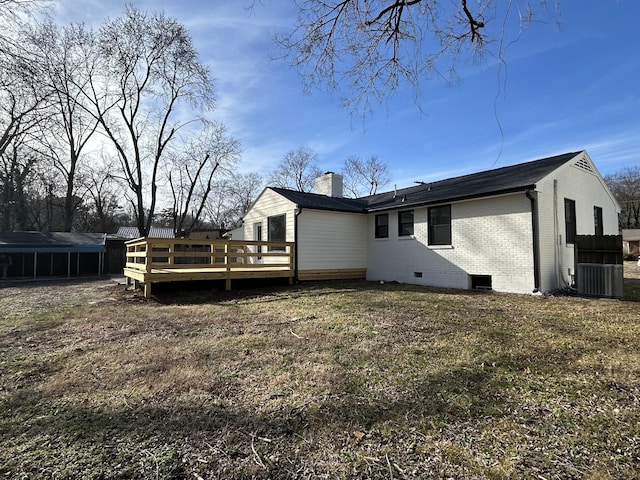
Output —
(556, 235)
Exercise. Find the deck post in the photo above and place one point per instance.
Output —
(292, 264)
(147, 289)
(148, 257)
(227, 282)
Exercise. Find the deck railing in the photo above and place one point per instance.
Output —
(165, 260)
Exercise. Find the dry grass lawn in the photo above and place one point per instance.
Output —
(322, 380)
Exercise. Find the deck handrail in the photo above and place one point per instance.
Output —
(147, 254)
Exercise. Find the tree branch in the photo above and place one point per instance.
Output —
(473, 23)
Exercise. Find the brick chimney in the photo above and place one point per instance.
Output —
(329, 184)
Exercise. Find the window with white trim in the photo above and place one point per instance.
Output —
(277, 230)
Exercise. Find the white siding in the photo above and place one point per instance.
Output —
(491, 236)
(327, 240)
(331, 240)
(587, 189)
(269, 204)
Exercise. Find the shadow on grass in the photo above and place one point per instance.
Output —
(228, 433)
(199, 292)
(242, 435)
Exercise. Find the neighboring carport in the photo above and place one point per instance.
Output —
(53, 254)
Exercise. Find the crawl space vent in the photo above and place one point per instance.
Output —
(481, 282)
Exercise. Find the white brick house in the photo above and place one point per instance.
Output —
(510, 229)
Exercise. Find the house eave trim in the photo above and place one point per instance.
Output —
(453, 199)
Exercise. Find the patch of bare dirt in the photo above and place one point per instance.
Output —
(32, 298)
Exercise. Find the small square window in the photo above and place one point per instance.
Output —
(405, 223)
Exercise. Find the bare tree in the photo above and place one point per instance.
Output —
(217, 207)
(297, 171)
(150, 69)
(17, 173)
(13, 15)
(245, 188)
(363, 177)
(67, 58)
(22, 110)
(368, 48)
(232, 197)
(192, 175)
(625, 185)
(106, 203)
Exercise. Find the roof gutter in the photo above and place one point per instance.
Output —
(497, 193)
(536, 240)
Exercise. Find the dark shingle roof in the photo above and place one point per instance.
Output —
(514, 178)
(322, 202)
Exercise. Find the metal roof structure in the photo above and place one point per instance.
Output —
(154, 232)
(52, 242)
(52, 253)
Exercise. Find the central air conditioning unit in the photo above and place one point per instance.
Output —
(600, 280)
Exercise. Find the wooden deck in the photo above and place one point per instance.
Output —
(153, 260)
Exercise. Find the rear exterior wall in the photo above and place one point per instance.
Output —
(490, 236)
(331, 240)
(587, 189)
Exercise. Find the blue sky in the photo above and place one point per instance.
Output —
(572, 83)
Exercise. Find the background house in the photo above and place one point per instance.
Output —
(631, 242)
(510, 229)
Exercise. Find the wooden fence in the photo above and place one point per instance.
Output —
(601, 249)
(599, 265)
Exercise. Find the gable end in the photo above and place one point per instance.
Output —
(584, 164)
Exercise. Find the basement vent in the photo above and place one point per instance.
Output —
(599, 280)
(417, 274)
(480, 282)
(584, 164)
